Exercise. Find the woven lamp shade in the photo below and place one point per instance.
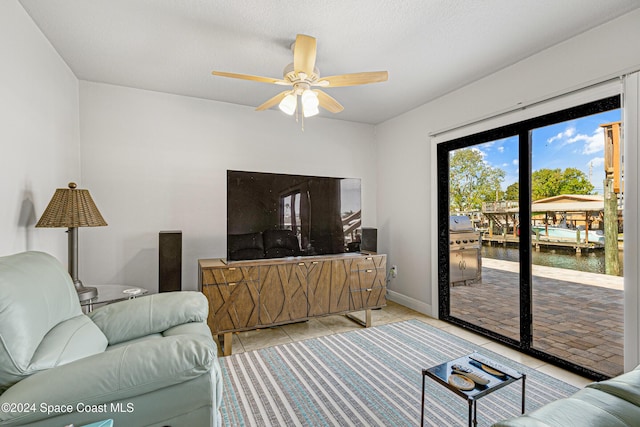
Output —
(71, 207)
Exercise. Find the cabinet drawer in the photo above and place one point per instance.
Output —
(229, 275)
(369, 262)
(368, 298)
(367, 279)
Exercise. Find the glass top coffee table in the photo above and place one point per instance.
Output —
(498, 376)
(108, 294)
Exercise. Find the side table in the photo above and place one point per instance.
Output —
(108, 294)
(499, 376)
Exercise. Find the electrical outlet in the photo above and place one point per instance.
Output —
(394, 271)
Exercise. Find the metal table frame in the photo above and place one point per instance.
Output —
(441, 373)
(108, 294)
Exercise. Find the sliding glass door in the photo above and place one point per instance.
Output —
(577, 197)
(544, 199)
(481, 221)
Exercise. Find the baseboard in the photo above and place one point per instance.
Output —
(411, 303)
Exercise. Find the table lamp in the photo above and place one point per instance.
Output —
(73, 208)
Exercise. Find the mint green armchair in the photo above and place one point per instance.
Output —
(148, 361)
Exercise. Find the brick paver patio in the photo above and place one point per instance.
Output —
(577, 316)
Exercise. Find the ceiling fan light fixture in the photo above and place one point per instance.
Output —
(310, 112)
(288, 104)
(302, 74)
(309, 99)
(310, 103)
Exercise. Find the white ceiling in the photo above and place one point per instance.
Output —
(429, 47)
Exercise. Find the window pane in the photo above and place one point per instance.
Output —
(483, 236)
(577, 284)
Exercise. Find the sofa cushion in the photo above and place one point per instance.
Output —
(151, 314)
(70, 340)
(122, 373)
(34, 286)
(625, 386)
(587, 407)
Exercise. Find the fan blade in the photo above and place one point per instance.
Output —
(328, 102)
(354, 79)
(304, 54)
(273, 101)
(250, 77)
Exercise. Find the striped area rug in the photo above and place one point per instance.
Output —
(367, 377)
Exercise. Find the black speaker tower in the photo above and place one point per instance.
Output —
(369, 240)
(170, 261)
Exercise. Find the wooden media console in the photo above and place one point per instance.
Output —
(246, 295)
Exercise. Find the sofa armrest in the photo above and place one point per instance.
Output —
(152, 314)
(625, 386)
(117, 374)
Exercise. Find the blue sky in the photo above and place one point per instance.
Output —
(576, 143)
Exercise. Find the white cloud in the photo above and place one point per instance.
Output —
(488, 144)
(596, 161)
(477, 150)
(568, 133)
(515, 162)
(501, 149)
(596, 143)
(593, 143)
(589, 144)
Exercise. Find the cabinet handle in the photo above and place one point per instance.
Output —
(314, 262)
(368, 271)
(232, 284)
(368, 258)
(301, 263)
(232, 269)
(369, 289)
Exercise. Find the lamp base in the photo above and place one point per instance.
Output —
(85, 293)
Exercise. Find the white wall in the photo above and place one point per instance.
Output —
(39, 133)
(406, 170)
(155, 162)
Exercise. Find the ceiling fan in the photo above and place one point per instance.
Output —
(302, 75)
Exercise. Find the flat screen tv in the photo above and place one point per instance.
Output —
(273, 215)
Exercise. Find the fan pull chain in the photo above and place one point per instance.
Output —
(299, 116)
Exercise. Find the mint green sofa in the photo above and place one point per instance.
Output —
(610, 403)
(148, 361)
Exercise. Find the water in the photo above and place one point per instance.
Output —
(592, 262)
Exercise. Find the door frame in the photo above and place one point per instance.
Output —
(523, 130)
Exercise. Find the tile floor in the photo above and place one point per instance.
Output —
(393, 312)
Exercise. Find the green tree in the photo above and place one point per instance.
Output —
(513, 192)
(553, 182)
(574, 181)
(545, 183)
(472, 181)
